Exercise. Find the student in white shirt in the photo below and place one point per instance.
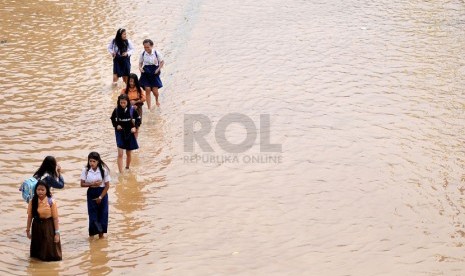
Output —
(96, 177)
(150, 63)
(121, 50)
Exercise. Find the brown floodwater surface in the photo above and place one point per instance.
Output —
(365, 106)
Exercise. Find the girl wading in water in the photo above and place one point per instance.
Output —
(42, 215)
(125, 120)
(150, 63)
(96, 177)
(136, 96)
(121, 50)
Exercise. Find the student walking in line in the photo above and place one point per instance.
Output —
(125, 120)
(50, 172)
(96, 177)
(136, 96)
(150, 63)
(42, 225)
(121, 49)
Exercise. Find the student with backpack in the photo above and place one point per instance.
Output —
(42, 225)
(125, 120)
(49, 171)
(96, 177)
(121, 49)
(136, 95)
(150, 64)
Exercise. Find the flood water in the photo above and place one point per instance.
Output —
(365, 99)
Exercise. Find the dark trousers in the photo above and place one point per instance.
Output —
(98, 213)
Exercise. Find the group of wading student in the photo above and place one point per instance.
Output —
(42, 221)
(127, 116)
(42, 227)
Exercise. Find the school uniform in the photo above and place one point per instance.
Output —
(121, 64)
(43, 245)
(127, 119)
(150, 63)
(98, 213)
(134, 95)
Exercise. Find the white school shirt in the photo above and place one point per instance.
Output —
(113, 49)
(95, 176)
(150, 59)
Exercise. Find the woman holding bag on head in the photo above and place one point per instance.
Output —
(150, 63)
(96, 177)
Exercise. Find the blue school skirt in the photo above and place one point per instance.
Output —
(126, 141)
(121, 65)
(149, 79)
(98, 213)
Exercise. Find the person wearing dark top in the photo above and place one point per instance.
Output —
(125, 120)
(50, 172)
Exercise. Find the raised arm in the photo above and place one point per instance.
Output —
(54, 182)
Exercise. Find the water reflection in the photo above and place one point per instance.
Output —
(97, 257)
(37, 267)
(128, 191)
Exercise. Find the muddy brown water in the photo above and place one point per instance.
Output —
(365, 99)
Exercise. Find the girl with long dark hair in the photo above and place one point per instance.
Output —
(50, 172)
(42, 214)
(121, 50)
(96, 177)
(135, 94)
(125, 120)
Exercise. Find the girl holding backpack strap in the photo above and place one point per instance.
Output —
(150, 63)
(125, 120)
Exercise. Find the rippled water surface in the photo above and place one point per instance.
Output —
(365, 98)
